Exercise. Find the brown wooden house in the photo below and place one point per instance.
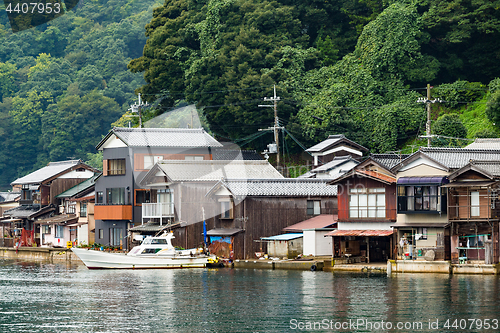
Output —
(366, 213)
(474, 212)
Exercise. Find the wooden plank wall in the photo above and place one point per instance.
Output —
(60, 185)
(390, 198)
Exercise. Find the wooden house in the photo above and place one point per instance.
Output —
(39, 190)
(474, 212)
(366, 213)
(335, 146)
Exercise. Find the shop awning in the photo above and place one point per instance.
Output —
(420, 225)
(361, 233)
(283, 237)
(317, 222)
(437, 180)
(223, 232)
(478, 183)
(59, 219)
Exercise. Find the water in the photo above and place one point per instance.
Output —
(37, 297)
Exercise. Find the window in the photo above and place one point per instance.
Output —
(101, 233)
(83, 209)
(99, 197)
(226, 208)
(115, 236)
(474, 203)
(150, 160)
(367, 203)
(70, 207)
(115, 167)
(115, 196)
(142, 196)
(59, 231)
(422, 232)
(313, 207)
(416, 198)
(46, 229)
(193, 158)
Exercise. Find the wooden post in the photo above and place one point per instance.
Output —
(368, 249)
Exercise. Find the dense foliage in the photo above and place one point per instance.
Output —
(355, 67)
(62, 84)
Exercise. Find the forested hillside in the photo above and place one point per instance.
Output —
(353, 67)
(62, 84)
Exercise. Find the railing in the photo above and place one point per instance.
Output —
(157, 210)
(468, 212)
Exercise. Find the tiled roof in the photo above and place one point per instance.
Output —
(9, 196)
(233, 154)
(22, 211)
(332, 140)
(493, 143)
(388, 160)
(216, 170)
(455, 158)
(280, 187)
(52, 169)
(492, 167)
(165, 137)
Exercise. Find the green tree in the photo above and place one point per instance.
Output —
(451, 126)
(493, 108)
(7, 80)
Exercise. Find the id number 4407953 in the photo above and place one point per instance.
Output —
(471, 324)
(33, 8)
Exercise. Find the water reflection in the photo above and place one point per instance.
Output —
(70, 298)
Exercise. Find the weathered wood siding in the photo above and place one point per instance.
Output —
(343, 199)
(60, 185)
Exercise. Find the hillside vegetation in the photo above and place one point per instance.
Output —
(353, 67)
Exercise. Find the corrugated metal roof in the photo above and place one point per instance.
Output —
(223, 232)
(283, 237)
(378, 175)
(52, 169)
(210, 170)
(362, 233)
(423, 180)
(280, 187)
(485, 143)
(455, 158)
(165, 137)
(317, 222)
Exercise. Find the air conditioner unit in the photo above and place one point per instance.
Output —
(273, 148)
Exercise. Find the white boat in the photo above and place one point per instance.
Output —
(154, 252)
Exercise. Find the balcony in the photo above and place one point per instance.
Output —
(113, 212)
(158, 210)
(471, 213)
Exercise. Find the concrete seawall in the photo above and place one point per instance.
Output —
(38, 253)
(306, 265)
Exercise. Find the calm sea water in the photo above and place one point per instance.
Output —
(38, 297)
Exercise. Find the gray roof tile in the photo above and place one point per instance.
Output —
(281, 187)
(455, 158)
(165, 137)
(52, 169)
(491, 143)
(388, 160)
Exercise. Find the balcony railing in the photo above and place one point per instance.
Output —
(113, 212)
(468, 212)
(157, 210)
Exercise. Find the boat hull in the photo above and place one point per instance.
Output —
(105, 260)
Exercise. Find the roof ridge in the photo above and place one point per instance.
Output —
(158, 129)
(65, 162)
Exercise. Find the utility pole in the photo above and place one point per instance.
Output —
(428, 101)
(137, 108)
(276, 127)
